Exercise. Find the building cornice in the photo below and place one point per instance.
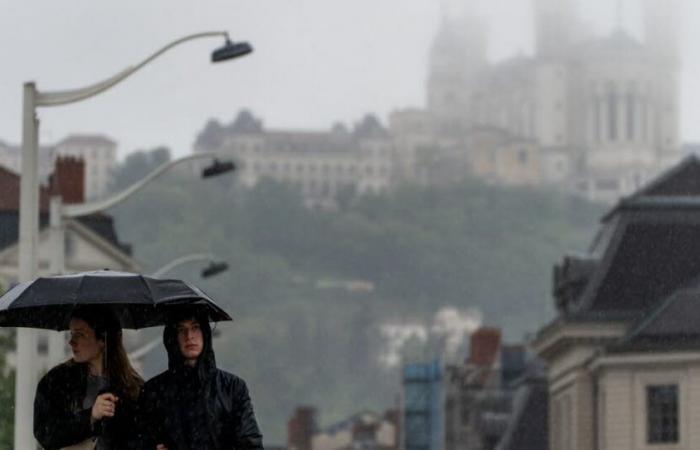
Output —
(637, 359)
(562, 334)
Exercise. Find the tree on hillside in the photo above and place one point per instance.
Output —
(467, 245)
(7, 389)
(137, 165)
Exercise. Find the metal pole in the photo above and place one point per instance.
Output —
(28, 264)
(56, 267)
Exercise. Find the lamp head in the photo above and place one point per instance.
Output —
(214, 268)
(217, 168)
(230, 50)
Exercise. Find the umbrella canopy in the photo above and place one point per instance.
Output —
(138, 301)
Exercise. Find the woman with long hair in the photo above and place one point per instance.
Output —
(90, 400)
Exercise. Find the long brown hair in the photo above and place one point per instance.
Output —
(120, 372)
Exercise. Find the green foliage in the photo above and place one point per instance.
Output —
(297, 340)
(7, 391)
(137, 165)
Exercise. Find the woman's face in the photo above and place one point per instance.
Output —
(85, 345)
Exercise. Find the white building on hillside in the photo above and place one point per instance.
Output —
(100, 156)
(602, 112)
(321, 163)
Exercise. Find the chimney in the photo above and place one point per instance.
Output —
(300, 428)
(68, 179)
(484, 346)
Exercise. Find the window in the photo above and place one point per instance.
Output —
(612, 113)
(630, 104)
(662, 414)
(599, 113)
(522, 156)
(645, 120)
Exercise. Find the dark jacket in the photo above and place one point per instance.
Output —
(202, 408)
(60, 419)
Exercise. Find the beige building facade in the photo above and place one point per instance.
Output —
(623, 353)
(321, 164)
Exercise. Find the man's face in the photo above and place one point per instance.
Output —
(190, 340)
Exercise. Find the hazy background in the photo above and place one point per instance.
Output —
(316, 61)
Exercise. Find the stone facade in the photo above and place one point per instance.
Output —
(323, 165)
(623, 353)
(600, 115)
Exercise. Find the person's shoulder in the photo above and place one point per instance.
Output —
(158, 380)
(63, 374)
(230, 381)
(66, 369)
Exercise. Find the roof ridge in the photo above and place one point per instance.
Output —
(650, 318)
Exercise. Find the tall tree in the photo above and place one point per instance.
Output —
(7, 389)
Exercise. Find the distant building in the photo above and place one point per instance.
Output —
(478, 393)
(464, 406)
(598, 116)
(98, 152)
(322, 164)
(361, 431)
(624, 350)
(100, 156)
(422, 407)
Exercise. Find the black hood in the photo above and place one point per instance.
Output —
(206, 364)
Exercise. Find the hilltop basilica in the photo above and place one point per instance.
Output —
(597, 116)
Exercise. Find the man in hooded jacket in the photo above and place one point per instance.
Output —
(193, 404)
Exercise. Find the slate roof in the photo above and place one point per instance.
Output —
(528, 428)
(653, 250)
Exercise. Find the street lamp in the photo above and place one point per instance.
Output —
(29, 209)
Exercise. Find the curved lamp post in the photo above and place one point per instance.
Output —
(29, 208)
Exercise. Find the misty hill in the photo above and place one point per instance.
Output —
(311, 291)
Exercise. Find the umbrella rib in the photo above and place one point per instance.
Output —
(75, 294)
(148, 288)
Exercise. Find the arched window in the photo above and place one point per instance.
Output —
(612, 112)
(631, 116)
(597, 107)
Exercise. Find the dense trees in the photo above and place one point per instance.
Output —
(7, 389)
(299, 335)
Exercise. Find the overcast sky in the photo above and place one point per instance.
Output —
(315, 61)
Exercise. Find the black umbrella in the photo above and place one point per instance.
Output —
(138, 301)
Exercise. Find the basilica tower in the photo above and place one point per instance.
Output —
(556, 27)
(457, 56)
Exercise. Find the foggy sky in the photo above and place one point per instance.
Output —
(316, 61)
